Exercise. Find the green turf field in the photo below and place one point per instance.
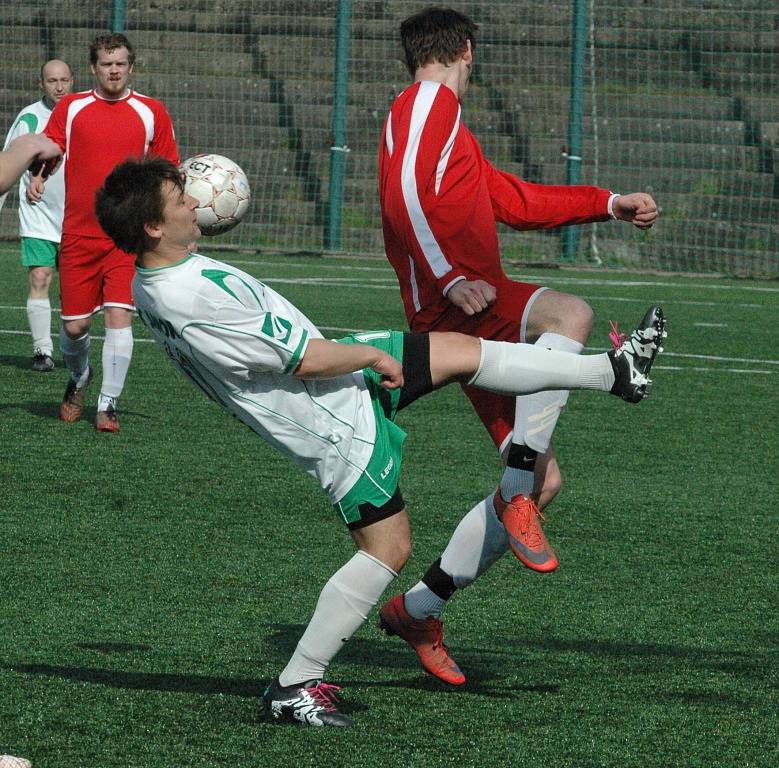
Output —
(152, 582)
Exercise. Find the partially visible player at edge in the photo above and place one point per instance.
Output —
(40, 226)
(98, 129)
(33, 152)
(440, 201)
(329, 406)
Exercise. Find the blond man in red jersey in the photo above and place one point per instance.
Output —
(96, 130)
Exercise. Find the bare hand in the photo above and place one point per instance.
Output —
(391, 371)
(472, 296)
(47, 156)
(638, 208)
(35, 190)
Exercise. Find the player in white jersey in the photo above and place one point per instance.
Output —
(40, 224)
(330, 406)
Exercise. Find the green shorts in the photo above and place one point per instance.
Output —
(39, 253)
(379, 481)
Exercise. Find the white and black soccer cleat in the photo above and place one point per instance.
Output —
(633, 355)
(309, 703)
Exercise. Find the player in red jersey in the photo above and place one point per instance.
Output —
(98, 129)
(440, 201)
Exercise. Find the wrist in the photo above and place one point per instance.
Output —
(610, 208)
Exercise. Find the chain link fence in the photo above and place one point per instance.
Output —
(681, 99)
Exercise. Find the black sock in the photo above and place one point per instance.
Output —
(439, 581)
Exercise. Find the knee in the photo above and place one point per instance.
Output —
(579, 319)
(77, 328)
(400, 553)
(560, 313)
(40, 278)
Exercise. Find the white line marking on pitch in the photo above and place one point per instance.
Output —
(711, 325)
(338, 329)
(543, 279)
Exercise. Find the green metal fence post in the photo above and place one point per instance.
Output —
(118, 15)
(339, 149)
(570, 240)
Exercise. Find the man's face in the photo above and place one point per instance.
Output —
(179, 222)
(112, 71)
(57, 81)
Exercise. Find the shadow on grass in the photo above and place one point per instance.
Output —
(484, 665)
(17, 361)
(113, 647)
(145, 681)
(50, 409)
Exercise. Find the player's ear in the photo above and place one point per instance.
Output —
(153, 230)
(468, 54)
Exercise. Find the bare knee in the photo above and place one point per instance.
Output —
(561, 313)
(388, 540)
(77, 328)
(40, 280)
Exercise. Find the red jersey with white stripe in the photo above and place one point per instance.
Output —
(440, 200)
(96, 134)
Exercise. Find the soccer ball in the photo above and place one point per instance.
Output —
(221, 189)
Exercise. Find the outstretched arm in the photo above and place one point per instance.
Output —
(33, 151)
(325, 359)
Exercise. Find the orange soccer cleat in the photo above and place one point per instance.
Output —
(425, 636)
(107, 420)
(520, 518)
(72, 405)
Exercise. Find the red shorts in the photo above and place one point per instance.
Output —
(504, 320)
(94, 273)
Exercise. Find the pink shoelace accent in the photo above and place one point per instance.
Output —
(325, 696)
(616, 336)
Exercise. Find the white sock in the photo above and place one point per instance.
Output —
(343, 605)
(535, 419)
(520, 369)
(75, 353)
(39, 317)
(477, 542)
(420, 602)
(117, 353)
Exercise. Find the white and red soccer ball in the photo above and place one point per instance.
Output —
(221, 189)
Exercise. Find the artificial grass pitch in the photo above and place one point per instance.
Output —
(154, 581)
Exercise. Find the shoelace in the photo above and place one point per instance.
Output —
(325, 695)
(438, 628)
(616, 336)
(533, 532)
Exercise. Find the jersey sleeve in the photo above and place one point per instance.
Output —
(242, 334)
(25, 122)
(163, 143)
(55, 128)
(524, 205)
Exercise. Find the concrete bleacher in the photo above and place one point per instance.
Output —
(685, 105)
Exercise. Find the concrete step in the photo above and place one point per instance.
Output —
(756, 210)
(660, 181)
(639, 154)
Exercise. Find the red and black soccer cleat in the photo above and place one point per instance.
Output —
(425, 636)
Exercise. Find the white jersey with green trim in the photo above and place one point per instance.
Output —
(44, 219)
(240, 342)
